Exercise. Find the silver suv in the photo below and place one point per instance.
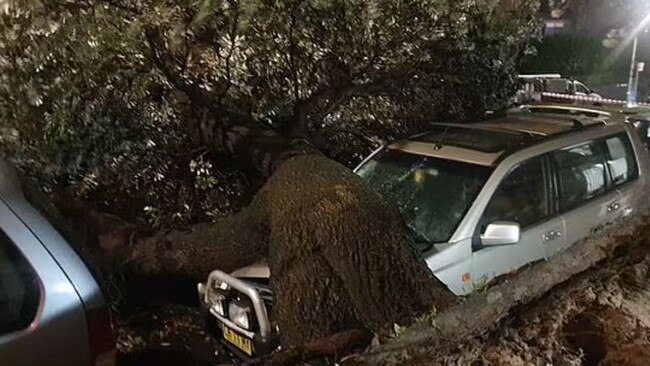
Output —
(482, 200)
(52, 311)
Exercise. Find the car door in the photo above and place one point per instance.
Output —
(623, 170)
(525, 196)
(587, 199)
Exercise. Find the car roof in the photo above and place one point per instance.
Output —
(488, 142)
(13, 196)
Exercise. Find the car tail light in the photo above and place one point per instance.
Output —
(100, 337)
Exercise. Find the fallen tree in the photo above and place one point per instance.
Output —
(312, 215)
(266, 99)
(337, 227)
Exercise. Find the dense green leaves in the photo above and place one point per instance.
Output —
(84, 102)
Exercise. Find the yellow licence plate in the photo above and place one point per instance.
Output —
(240, 342)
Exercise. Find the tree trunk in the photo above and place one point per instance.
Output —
(233, 242)
(340, 257)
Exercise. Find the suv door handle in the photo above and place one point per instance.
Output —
(614, 206)
(552, 235)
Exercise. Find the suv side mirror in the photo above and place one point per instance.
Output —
(501, 233)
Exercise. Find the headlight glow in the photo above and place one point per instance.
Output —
(239, 314)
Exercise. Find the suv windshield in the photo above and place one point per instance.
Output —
(433, 194)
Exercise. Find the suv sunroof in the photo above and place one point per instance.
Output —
(484, 140)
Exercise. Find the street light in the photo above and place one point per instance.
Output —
(633, 82)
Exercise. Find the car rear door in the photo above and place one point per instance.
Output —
(586, 195)
(623, 169)
(42, 321)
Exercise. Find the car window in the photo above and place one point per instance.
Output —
(522, 197)
(558, 86)
(581, 88)
(19, 289)
(620, 160)
(581, 174)
(433, 194)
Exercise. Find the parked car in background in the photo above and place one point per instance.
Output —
(535, 88)
(52, 311)
(482, 200)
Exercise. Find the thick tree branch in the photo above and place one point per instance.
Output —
(231, 243)
(329, 97)
(226, 129)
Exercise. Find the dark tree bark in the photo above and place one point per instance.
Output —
(118, 246)
(340, 256)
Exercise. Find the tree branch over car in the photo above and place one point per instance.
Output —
(290, 71)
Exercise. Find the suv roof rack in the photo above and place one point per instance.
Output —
(564, 110)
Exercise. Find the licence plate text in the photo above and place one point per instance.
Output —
(237, 340)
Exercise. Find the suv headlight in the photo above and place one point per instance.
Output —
(240, 315)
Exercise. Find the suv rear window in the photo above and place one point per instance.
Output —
(581, 172)
(19, 289)
(593, 168)
(620, 160)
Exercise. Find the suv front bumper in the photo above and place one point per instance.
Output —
(217, 295)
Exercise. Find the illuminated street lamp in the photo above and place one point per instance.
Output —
(635, 69)
(631, 90)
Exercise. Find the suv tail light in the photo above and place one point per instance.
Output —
(100, 337)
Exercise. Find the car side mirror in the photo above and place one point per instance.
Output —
(501, 233)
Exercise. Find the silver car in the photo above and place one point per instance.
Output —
(482, 200)
(52, 311)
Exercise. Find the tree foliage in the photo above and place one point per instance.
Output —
(91, 91)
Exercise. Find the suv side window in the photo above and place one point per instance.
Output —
(581, 174)
(621, 161)
(581, 88)
(522, 197)
(19, 289)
